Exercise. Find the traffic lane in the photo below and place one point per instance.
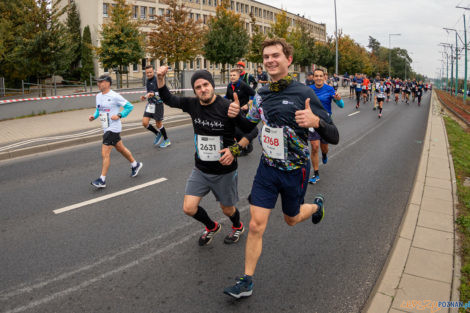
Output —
(330, 267)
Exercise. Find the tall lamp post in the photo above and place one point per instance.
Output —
(390, 53)
(336, 35)
(457, 56)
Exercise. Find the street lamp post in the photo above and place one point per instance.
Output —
(390, 53)
(336, 35)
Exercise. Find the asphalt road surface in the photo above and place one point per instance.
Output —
(138, 252)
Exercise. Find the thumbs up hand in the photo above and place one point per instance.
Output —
(234, 107)
(305, 118)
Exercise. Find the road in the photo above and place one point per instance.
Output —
(138, 252)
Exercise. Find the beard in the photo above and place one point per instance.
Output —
(206, 98)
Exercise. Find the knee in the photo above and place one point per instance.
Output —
(189, 209)
(159, 124)
(256, 227)
(145, 124)
(290, 221)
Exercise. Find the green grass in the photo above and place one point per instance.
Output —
(459, 141)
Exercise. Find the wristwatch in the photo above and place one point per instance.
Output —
(120, 115)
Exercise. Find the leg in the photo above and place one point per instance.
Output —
(145, 121)
(228, 210)
(254, 242)
(324, 148)
(124, 151)
(190, 205)
(106, 155)
(306, 211)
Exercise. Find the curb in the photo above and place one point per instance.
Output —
(374, 290)
(82, 140)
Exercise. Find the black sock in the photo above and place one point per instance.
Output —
(235, 218)
(152, 129)
(380, 110)
(323, 155)
(201, 216)
(163, 131)
(317, 172)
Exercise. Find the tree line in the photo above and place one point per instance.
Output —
(40, 38)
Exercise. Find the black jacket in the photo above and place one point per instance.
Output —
(244, 92)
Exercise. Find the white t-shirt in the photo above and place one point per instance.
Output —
(108, 105)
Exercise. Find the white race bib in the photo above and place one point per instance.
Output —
(104, 119)
(208, 147)
(364, 87)
(150, 108)
(272, 140)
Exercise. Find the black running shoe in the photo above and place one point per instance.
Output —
(320, 213)
(99, 183)
(135, 170)
(234, 235)
(207, 236)
(243, 288)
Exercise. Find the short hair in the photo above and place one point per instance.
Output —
(286, 47)
(149, 66)
(319, 70)
(259, 66)
(235, 70)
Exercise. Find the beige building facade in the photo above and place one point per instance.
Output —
(96, 12)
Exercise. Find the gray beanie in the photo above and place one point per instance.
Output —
(204, 75)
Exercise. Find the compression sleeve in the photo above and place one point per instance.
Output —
(340, 103)
(128, 107)
(96, 114)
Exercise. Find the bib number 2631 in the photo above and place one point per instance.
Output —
(272, 141)
(208, 147)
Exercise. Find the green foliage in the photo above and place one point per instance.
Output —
(122, 43)
(226, 40)
(255, 51)
(87, 55)
(175, 36)
(324, 55)
(304, 45)
(280, 28)
(75, 39)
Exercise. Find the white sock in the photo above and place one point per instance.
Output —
(103, 178)
(134, 164)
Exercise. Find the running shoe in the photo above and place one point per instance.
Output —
(324, 159)
(158, 139)
(234, 235)
(207, 235)
(380, 115)
(99, 183)
(320, 213)
(243, 288)
(135, 170)
(165, 143)
(374, 108)
(314, 179)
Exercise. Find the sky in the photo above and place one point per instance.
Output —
(420, 23)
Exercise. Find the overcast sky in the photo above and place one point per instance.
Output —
(420, 23)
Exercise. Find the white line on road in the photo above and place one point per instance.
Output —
(354, 113)
(111, 195)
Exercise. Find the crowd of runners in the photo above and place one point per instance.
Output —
(291, 115)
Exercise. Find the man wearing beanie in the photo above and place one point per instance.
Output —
(215, 170)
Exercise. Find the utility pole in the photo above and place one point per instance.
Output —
(465, 47)
(336, 35)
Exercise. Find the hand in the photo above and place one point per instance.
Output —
(227, 158)
(114, 117)
(91, 118)
(150, 95)
(305, 118)
(337, 96)
(142, 98)
(245, 107)
(161, 73)
(234, 107)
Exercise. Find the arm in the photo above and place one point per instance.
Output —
(96, 114)
(245, 124)
(328, 132)
(128, 107)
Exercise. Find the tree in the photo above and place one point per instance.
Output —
(304, 45)
(373, 45)
(87, 55)
(75, 39)
(255, 49)
(323, 55)
(227, 40)
(175, 37)
(280, 28)
(121, 41)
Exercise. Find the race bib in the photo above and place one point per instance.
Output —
(104, 119)
(364, 87)
(272, 141)
(208, 147)
(150, 108)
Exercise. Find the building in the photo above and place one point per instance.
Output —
(96, 12)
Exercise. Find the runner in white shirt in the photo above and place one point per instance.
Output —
(108, 110)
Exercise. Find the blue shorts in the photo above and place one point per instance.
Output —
(270, 182)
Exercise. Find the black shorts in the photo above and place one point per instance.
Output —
(365, 91)
(408, 92)
(380, 99)
(396, 90)
(111, 139)
(387, 90)
(158, 115)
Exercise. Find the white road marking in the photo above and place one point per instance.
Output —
(111, 195)
(354, 113)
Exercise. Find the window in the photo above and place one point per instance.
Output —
(144, 64)
(198, 63)
(205, 64)
(264, 13)
(217, 66)
(256, 11)
(198, 16)
(134, 11)
(211, 65)
(246, 8)
(106, 70)
(209, 2)
(204, 2)
(152, 63)
(232, 5)
(134, 67)
(191, 15)
(143, 13)
(105, 9)
(215, 3)
(151, 13)
(161, 12)
(204, 19)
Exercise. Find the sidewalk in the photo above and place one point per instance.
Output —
(424, 264)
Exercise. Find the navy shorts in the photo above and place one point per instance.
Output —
(313, 136)
(270, 182)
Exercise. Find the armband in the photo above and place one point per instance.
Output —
(235, 149)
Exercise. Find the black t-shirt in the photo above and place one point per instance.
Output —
(208, 120)
(151, 86)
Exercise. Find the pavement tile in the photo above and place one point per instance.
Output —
(409, 224)
(439, 183)
(417, 193)
(436, 220)
(435, 205)
(438, 172)
(380, 303)
(391, 279)
(430, 264)
(420, 289)
(433, 240)
(437, 193)
(439, 152)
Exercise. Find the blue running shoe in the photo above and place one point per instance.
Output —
(324, 158)
(165, 143)
(158, 139)
(313, 180)
(243, 288)
(99, 183)
(135, 170)
(317, 217)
